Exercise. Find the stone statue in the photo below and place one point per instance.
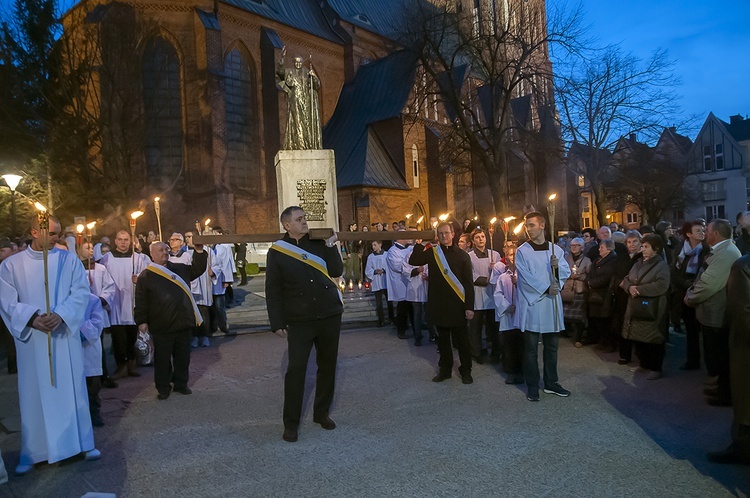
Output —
(303, 105)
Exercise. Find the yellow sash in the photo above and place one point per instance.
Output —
(447, 273)
(177, 280)
(309, 259)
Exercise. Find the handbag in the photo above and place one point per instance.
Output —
(644, 308)
(595, 298)
(567, 295)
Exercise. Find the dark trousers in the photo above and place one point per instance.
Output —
(123, 342)
(716, 356)
(599, 329)
(575, 328)
(379, 297)
(447, 339)
(202, 329)
(626, 349)
(417, 319)
(93, 386)
(483, 319)
(651, 356)
(692, 337)
(105, 370)
(512, 346)
(243, 275)
(219, 314)
(324, 334)
(531, 361)
(403, 310)
(229, 293)
(10, 347)
(171, 358)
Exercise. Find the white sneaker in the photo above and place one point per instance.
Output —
(205, 342)
(93, 455)
(194, 342)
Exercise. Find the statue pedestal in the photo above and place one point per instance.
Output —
(307, 178)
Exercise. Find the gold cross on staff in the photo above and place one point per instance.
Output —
(315, 233)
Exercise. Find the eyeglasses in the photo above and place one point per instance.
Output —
(174, 239)
(188, 236)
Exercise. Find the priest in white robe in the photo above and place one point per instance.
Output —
(539, 305)
(55, 421)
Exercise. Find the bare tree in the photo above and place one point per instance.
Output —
(474, 63)
(606, 94)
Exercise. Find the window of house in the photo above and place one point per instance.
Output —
(719, 157)
(581, 181)
(715, 211)
(719, 149)
(632, 217)
(678, 214)
(586, 222)
(162, 99)
(707, 164)
(707, 158)
(415, 165)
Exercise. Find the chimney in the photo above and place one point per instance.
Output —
(737, 118)
(673, 129)
(632, 137)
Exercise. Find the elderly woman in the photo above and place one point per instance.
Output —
(633, 243)
(601, 282)
(574, 291)
(645, 324)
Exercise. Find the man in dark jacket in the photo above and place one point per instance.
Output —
(305, 306)
(164, 307)
(450, 299)
(738, 297)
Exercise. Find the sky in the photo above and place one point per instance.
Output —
(708, 40)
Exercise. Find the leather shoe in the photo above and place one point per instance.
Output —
(623, 361)
(109, 383)
(441, 377)
(163, 395)
(325, 422)
(290, 434)
(183, 390)
(467, 378)
(731, 454)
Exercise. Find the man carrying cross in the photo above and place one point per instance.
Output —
(450, 299)
(305, 306)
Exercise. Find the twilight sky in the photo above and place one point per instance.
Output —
(709, 40)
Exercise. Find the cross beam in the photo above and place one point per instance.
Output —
(315, 233)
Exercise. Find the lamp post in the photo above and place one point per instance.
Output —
(12, 181)
(157, 208)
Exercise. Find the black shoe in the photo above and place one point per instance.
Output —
(109, 383)
(96, 420)
(730, 454)
(514, 379)
(623, 361)
(290, 434)
(557, 390)
(533, 396)
(12, 370)
(183, 390)
(163, 395)
(467, 378)
(401, 336)
(325, 422)
(433, 338)
(441, 377)
(689, 366)
(478, 359)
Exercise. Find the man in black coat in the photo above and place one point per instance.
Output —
(450, 299)
(738, 297)
(305, 306)
(165, 307)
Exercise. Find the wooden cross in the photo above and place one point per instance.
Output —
(316, 233)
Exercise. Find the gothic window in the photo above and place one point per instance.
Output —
(241, 122)
(162, 99)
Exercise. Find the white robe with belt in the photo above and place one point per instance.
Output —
(55, 421)
(102, 285)
(91, 333)
(536, 308)
(122, 271)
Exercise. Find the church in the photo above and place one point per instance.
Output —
(208, 117)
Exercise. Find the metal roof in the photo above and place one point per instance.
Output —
(305, 15)
(379, 91)
(385, 17)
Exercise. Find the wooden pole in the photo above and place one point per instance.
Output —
(43, 218)
(315, 234)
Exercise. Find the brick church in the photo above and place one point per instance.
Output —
(214, 118)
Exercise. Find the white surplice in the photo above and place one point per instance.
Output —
(377, 262)
(91, 336)
(222, 256)
(397, 281)
(102, 285)
(504, 294)
(416, 286)
(122, 271)
(55, 421)
(202, 287)
(482, 267)
(536, 308)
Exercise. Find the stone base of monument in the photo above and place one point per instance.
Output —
(307, 178)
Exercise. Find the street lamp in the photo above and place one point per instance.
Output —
(12, 181)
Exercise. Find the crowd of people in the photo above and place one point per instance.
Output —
(619, 290)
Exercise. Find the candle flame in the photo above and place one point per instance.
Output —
(157, 199)
(553, 197)
(136, 214)
(518, 228)
(408, 216)
(509, 218)
(90, 225)
(208, 220)
(40, 206)
(421, 218)
(80, 227)
(493, 220)
(443, 217)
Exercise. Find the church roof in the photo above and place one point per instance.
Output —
(385, 17)
(378, 92)
(738, 127)
(305, 15)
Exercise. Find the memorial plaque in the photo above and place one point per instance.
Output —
(307, 178)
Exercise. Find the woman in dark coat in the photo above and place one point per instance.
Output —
(601, 282)
(575, 309)
(648, 278)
